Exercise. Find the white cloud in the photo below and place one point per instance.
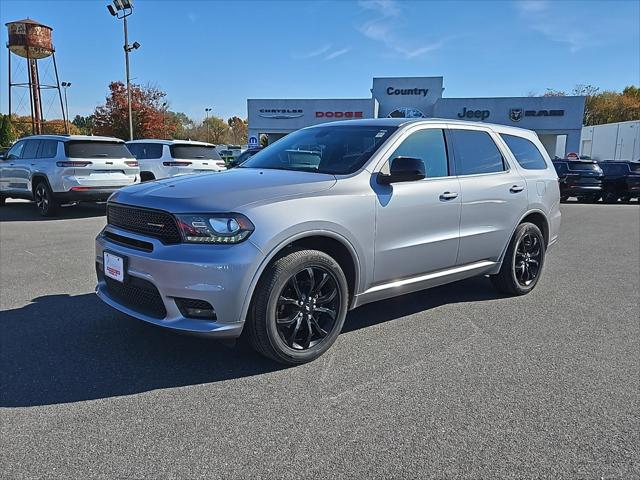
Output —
(314, 53)
(337, 53)
(385, 27)
(542, 17)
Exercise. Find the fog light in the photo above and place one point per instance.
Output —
(192, 308)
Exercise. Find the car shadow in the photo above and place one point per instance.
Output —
(61, 349)
(26, 212)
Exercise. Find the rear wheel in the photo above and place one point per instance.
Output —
(3, 199)
(523, 262)
(610, 198)
(299, 307)
(44, 199)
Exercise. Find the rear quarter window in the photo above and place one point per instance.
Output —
(476, 152)
(48, 149)
(525, 152)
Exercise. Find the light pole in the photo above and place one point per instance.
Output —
(121, 9)
(66, 85)
(206, 111)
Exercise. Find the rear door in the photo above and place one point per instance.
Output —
(24, 165)
(100, 163)
(494, 195)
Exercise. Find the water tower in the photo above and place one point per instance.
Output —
(31, 40)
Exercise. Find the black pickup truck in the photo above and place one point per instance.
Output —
(579, 178)
(621, 180)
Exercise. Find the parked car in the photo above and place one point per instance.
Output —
(621, 180)
(579, 178)
(57, 169)
(168, 158)
(329, 218)
(244, 156)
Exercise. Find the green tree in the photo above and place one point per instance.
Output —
(84, 124)
(7, 133)
(216, 130)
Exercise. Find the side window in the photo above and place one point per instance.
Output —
(145, 151)
(526, 153)
(48, 149)
(16, 151)
(31, 149)
(429, 146)
(476, 152)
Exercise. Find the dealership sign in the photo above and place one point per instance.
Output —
(516, 114)
(421, 92)
(478, 114)
(281, 113)
(339, 115)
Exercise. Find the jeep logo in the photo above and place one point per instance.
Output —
(477, 114)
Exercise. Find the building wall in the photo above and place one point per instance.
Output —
(612, 141)
(413, 93)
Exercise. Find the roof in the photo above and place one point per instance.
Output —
(171, 142)
(67, 138)
(31, 22)
(399, 122)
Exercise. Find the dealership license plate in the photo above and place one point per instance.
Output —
(113, 266)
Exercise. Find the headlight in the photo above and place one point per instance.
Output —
(213, 228)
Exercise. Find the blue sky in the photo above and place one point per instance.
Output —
(218, 54)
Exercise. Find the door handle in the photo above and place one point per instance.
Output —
(448, 195)
(516, 188)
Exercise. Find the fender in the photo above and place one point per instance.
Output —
(504, 250)
(278, 248)
(37, 175)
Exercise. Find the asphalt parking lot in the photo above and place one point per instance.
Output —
(453, 382)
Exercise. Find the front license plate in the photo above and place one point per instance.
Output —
(113, 266)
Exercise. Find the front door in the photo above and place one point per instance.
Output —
(9, 167)
(417, 223)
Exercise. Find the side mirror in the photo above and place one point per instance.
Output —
(403, 169)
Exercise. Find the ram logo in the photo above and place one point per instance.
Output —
(515, 114)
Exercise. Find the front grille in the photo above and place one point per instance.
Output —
(138, 295)
(154, 223)
(129, 242)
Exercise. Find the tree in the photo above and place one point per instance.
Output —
(7, 133)
(216, 130)
(182, 124)
(84, 124)
(237, 131)
(56, 127)
(148, 113)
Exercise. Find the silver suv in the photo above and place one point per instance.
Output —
(57, 169)
(329, 218)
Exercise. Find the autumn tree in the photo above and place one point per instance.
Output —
(237, 131)
(182, 124)
(216, 130)
(148, 113)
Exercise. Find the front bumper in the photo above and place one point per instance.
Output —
(218, 274)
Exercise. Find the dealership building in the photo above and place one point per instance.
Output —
(557, 120)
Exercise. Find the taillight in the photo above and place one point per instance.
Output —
(73, 163)
(131, 163)
(221, 164)
(176, 164)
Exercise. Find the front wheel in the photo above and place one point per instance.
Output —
(299, 307)
(523, 262)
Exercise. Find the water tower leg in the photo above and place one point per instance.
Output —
(65, 114)
(35, 89)
(33, 123)
(40, 97)
(9, 60)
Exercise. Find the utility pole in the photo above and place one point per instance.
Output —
(207, 110)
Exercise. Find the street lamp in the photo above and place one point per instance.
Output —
(66, 85)
(121, 9)
(206, 111)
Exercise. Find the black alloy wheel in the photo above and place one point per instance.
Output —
(299, 307)
(43, 198)
(527, 261)
(307, 307)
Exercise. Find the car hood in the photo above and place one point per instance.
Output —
(222, 192)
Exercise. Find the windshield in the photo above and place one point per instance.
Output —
(96, 149)
(330, 149)
(194, 152)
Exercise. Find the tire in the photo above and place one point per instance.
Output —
(510, 279)
(563, 199)
(146, 177)
(305, 331)
(3, 200)
(610, 198)
(44, 199)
